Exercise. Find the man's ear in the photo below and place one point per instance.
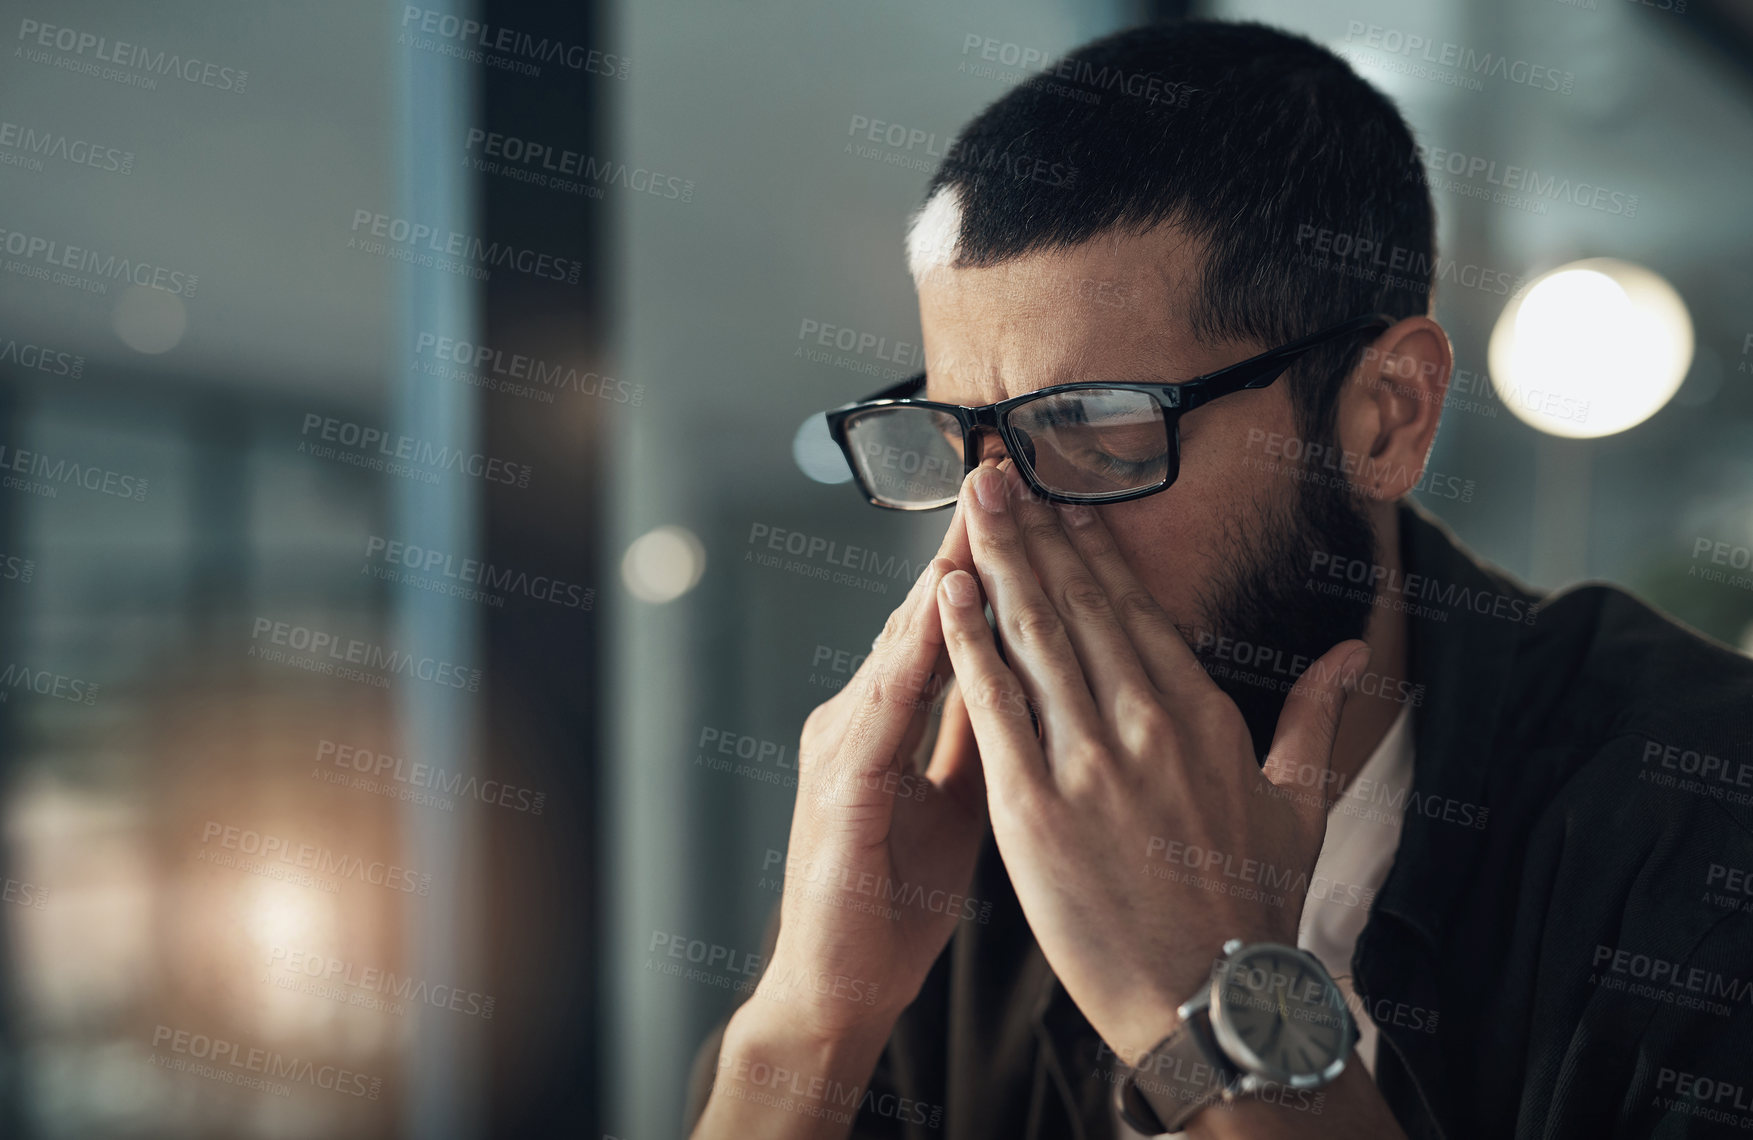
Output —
(1390, 407)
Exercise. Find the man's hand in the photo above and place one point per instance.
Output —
(865, 824)
(1140, 754)
(877, 874)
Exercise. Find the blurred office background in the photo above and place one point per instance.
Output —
(311, 824)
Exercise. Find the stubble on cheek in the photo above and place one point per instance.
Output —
(1263, 626)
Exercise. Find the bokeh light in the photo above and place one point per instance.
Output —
(1591, 348)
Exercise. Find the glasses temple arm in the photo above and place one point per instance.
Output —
(1262, 370)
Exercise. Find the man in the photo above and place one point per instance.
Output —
(1505, 831)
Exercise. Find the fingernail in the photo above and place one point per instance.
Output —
(1076, 514)
(1354, 667)
(958, 587)
(989, 489)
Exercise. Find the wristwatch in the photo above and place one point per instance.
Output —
(1271, 1018)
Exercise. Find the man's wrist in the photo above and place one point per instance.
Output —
(761, 1034)
(777, 1079)
(1145, 1027)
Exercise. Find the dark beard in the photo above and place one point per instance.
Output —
(1269, 625)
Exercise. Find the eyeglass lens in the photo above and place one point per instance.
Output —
(1093, 442)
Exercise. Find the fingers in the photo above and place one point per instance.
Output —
(955, 760)
(996, 706)
(1035, 641)
(891, 684)
(1104, 649)
(886, 698)
(1166, 657)
(955, 540)
(881, 658)
(1302, 746)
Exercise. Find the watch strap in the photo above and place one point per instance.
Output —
(1177, 1079)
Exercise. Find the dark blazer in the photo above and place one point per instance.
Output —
(1562, 948)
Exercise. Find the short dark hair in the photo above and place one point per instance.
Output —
(1252, 139)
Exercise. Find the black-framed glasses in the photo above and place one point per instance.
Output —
(1072, 443)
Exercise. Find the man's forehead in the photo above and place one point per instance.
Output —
(1157, 267)
(1113, 308)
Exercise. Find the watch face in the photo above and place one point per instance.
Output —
(1277, 1013)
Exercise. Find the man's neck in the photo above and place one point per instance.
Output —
(1379, 697)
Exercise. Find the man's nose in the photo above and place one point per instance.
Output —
(988, 447)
